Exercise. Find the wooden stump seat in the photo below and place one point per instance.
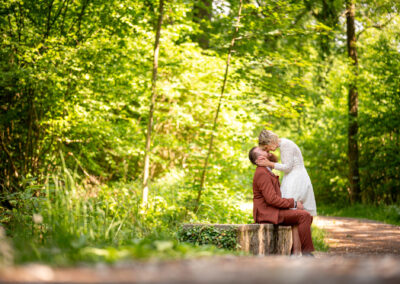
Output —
(257, 239)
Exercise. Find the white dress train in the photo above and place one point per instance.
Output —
(295, 183)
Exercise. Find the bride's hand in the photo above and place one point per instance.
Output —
(263, 162)
(300, 205)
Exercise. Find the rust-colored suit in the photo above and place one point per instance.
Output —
(270, 207)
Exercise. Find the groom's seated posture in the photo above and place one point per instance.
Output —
(270, 207)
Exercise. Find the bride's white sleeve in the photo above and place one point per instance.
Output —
(287, 158)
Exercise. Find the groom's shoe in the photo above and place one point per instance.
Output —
(308, 254)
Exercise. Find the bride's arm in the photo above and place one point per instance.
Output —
(287, 159)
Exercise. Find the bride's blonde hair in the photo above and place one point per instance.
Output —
(266, 137)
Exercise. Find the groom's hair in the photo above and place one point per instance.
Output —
(253, 155)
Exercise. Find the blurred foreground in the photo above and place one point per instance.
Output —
(361, 251)
(228, 269)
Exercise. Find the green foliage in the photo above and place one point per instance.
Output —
(385, 213)
(147, 249)
(67, 220)
(75, 77)
(379, 133)
(209, 235)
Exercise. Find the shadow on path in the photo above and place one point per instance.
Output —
(359, 237)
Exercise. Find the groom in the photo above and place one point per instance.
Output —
(270, 207)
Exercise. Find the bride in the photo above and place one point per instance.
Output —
(296, 183)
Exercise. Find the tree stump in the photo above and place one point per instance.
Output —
(257, 239)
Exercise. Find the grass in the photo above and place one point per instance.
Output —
(318, 238)
(389, 214)
(66, 222)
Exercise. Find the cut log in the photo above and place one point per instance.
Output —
(6, 250)
(257, 239)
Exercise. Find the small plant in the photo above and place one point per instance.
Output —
(318, 237)
(209, 235)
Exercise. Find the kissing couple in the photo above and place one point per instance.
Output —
(293, 202)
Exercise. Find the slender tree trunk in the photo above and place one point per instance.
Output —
(145, 191)
(353, 105)
(203, 175)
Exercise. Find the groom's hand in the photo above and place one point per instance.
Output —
(300, 205)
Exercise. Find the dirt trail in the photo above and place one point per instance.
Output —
(361, 251)
(352, 237)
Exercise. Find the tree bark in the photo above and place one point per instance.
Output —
(203, 175)
(202, 11)
(353, 105)
(256, 239)
(145, 191)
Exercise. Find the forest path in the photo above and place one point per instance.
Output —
(359, 237)
(362, 251)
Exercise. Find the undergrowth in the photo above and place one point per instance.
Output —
(389, 214)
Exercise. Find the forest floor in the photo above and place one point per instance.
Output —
(361, 251)
(359, 237)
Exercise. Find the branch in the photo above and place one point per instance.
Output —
(63, 20)
(48, 19)
(58, 13)
(16, 23)
(210, 146)
(79, 20)
(376, 26)
(9, 155)
(10, 25)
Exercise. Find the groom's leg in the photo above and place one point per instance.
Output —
(296, 248)
(303, 219)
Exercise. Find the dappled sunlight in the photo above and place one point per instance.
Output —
(246, 206)
(348, 235)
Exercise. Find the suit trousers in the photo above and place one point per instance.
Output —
(303, 219)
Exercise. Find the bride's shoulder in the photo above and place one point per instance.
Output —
(287, 142)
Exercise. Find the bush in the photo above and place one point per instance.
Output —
(209, 235)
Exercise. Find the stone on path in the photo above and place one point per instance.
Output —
(257, 239)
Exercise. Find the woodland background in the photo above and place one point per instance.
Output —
(77, 82)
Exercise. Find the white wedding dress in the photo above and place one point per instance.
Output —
(296, 183)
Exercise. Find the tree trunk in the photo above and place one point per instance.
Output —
(145, 191)
(353, 105)
(202, 10)
(203, 175)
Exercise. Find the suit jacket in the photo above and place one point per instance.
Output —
(267, 197)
